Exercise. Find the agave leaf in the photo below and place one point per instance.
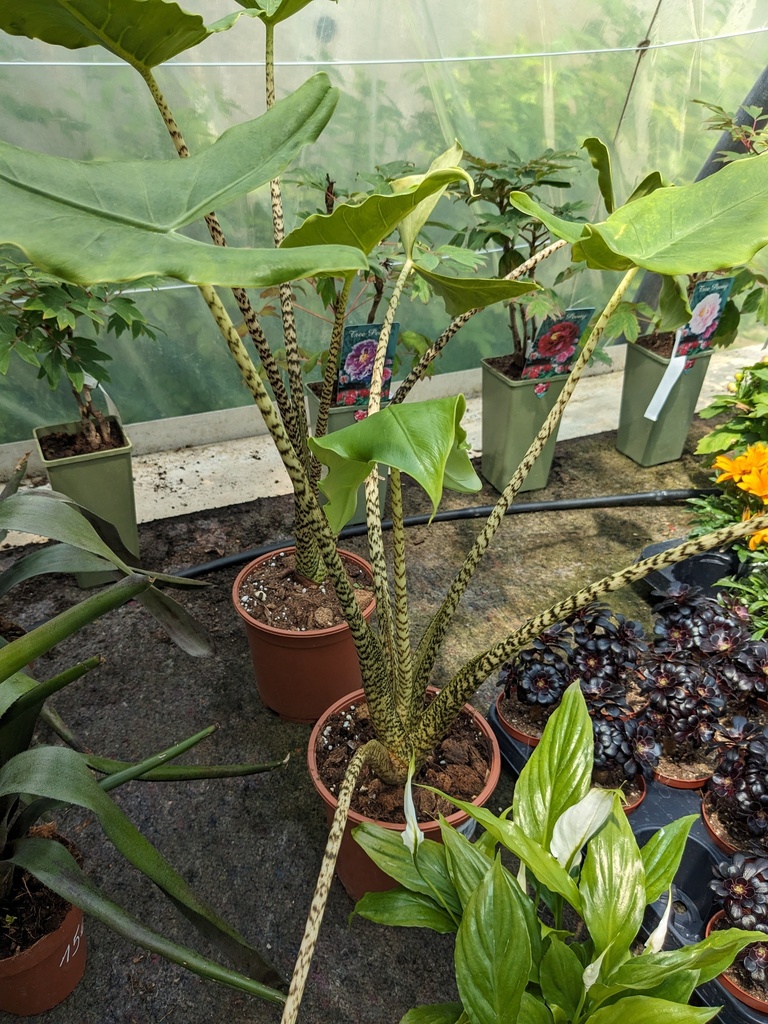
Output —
(56, 868)
(423, 439)
(60, 774)
(142, 32)
(101, 221)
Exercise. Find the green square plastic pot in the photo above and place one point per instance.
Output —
(646, 442)
(513, 414)
(341, 416)
(102, 482)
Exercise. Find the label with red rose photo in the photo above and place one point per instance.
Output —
(707, 305)
(555, 345)
(358, 350)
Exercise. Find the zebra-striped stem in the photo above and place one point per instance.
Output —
(439, 715)
(241, 296)
(403, 671)
(417, 373)
(332, 362)
(433, 636)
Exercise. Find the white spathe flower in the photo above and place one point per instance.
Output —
(412, 836)
(655, 941)
(592, 971)
(577, 825)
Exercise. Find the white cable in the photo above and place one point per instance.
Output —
(383, 60)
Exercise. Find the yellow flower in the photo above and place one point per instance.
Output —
(761, 537)
(749, 471)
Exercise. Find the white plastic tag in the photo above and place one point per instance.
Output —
(671, 376)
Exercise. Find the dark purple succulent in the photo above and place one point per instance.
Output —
(739, 783)
(741, 885)
(541, 684)
(627, 744)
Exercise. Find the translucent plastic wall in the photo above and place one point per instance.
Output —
(414, 75)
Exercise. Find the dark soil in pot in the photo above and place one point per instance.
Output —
(510, 365)
(661, 344)
(31, 910)
(459, 766)
(63, 445)
(275, 594)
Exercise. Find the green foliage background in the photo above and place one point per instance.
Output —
(413, 78)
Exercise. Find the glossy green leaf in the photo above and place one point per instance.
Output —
(601, 161)
(423, 439)
(533, 1011)
(539, 861)
(436, 1013)
(56, 868)
(558, 773)
(662, 854)
(493, 955)
(22, 651)
(60, 774)
(142, 32)
(467, 865)
(411, 226)
(273, 11)
(644, 1009)
(560, 976)
(673, 304)
(648, 184)
(364, 225)
(567, 229)
(460, 294)
(102, 221)
(57, 558)
(612, 888)
(400, 908)
(387, 850)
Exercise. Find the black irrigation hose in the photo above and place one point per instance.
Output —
(474, 512)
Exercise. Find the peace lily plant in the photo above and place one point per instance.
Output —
(117, 221)
(577, 851)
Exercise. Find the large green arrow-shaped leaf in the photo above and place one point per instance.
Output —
(142, 32)
(712, 224)
(273, 11)
(90, 222)
(460, 294)
(423, 439)
(411, 226)
(364, 225)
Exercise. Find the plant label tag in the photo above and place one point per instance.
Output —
(556, 344)
(671, 376)
(358, 350)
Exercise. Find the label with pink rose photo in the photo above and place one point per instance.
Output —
(358, 350)
(555, 345)
(707, 305)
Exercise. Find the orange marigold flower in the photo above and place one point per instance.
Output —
(756, 482)
(751, 466)
(761, 537)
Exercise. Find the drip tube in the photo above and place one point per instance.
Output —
(643, 498)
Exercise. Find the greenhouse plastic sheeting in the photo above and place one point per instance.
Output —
(414, 75)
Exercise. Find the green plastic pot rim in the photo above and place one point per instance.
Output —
(455, 818)
(664, 360)
(276, 631)
(75, 427)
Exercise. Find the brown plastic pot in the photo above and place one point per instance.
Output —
(300, 673)
(736, 991)
(355, 869)
(528, 738)
(43, 975)
(674, 783)
(720, 841)
(632, 806)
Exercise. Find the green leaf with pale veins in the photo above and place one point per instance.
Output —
(423, 439)
(143, 33)
(111, 221)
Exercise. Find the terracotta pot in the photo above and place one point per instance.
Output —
(43, 975)
(529, 739)
(634, 804)
(736, 991)
(300, 673)
(720, 841)
(673, 783)
(356, 871)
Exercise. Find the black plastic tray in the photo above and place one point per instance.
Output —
(692, 897)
